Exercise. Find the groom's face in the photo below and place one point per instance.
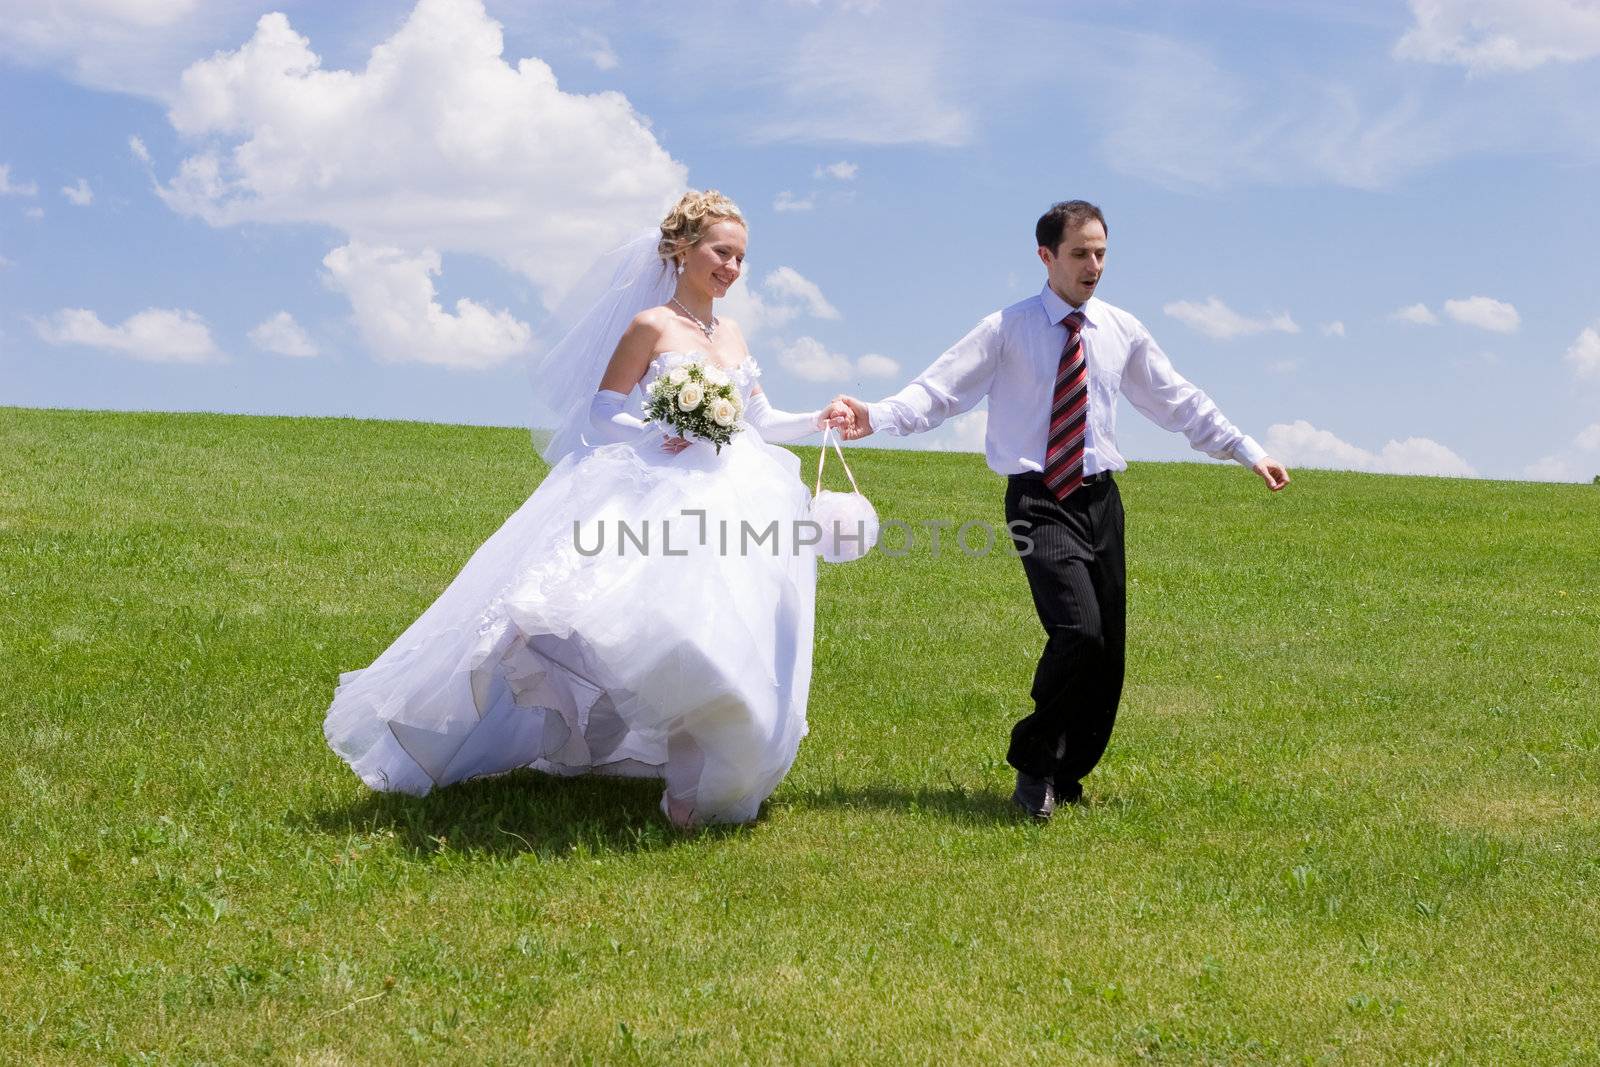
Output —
(1075, 265)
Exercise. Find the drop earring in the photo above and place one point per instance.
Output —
(680, 268)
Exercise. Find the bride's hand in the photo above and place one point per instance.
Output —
(838, 416)
(673, 445)
(860, 419)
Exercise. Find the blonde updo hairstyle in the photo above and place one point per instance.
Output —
(694, 213)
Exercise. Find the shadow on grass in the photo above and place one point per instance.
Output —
(510, 814)
(953, 801)
(563, 818)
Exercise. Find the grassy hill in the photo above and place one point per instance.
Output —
(1351, 813)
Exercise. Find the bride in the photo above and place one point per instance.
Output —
(683, 654)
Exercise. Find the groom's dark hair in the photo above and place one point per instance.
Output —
(1053, 223)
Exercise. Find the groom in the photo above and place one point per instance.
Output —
(1051, 366)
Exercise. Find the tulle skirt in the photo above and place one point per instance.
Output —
(642, 614)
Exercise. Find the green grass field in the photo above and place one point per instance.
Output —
(1351, 813)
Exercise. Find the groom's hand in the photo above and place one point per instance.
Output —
(837, 416)
(1275, 474)
(860, 422)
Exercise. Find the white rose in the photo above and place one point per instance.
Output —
(716, 375)
(723, 412)
(690, 396)
(677, 376)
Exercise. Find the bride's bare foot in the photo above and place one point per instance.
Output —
(680, 813)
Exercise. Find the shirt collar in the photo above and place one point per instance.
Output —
(1058, 309)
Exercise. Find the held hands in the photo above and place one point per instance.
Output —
(1275, 474)
(857, 424)
(837, 416)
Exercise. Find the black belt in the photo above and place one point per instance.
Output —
(1088, 479)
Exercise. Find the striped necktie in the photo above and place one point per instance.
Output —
(1069, 414)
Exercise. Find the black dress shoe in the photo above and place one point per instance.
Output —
(1072, 794)
(1036, 796)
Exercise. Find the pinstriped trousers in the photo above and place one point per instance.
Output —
(1078, 577)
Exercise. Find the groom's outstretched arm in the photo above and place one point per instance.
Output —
(1171, 401)
(954, 383)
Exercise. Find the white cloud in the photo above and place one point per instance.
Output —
(854, 91)
(1218, 320)
(34, 213)
(1177, 115)
(1333, 329)
(840, 171)
(155, 335)
(787, 286)
(400, 319)
(873, 365)
(1284, 366)
(1497, 35)
(4, 263)
(746, 307)
(964, 433)
(1301, 444)
(438, 145)
(1584, 354)
(783, 296)
(822, 74)
(1184, 110)
(1568, 466)
(1485, 313)
(282, 335)
(1188, 113)
(1416, 313)
(10, 188)
(596, 48)
(136, 146)
(786, 201)
(809, 360)
(80, 194)
(136, 46)
(1553, 469)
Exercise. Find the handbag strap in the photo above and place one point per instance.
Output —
(829, 436)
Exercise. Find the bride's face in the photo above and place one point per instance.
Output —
(716, 262)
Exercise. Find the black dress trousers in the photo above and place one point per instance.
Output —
(1078, 577)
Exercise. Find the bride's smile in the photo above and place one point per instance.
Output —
(711, 267)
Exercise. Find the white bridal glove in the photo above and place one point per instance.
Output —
(775, 425)
(609, 421)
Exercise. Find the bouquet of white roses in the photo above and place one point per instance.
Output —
(697, 400)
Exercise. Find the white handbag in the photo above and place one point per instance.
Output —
(848, 521)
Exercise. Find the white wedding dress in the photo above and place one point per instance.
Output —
(691, 666)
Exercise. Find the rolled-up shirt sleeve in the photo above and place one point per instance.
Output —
(1168, 399)
(954, 383)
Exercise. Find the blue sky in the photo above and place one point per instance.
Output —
(1368, 230)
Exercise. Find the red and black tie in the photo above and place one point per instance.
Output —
(1069, 414)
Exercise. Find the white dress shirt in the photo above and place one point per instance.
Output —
(1012, 357)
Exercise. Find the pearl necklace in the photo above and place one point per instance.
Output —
(707, 330)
